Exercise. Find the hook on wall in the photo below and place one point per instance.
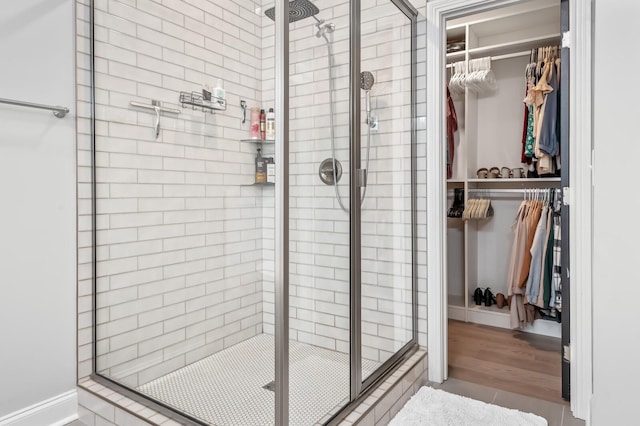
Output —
(156, 106)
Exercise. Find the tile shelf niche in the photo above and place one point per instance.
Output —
(258, 184)
(260, 142)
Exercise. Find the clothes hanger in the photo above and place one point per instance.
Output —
(489, 212)
(477, 209)
(467, 209)
(490, 79)
(480, 214)
(486, 206)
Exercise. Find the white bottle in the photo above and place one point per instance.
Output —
(218, 92)
(271, 124)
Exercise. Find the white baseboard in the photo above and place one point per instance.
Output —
(56, 411)
(501, 319)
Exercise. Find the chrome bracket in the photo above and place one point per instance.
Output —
(361, 178)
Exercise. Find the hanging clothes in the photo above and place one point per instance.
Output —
(452, 127)
(541, 135)
(536, 250)
(531, 224)
(546, 265)
(517, 311)
(557, 254)
(528, 139)
(536, 221)
(548, 139)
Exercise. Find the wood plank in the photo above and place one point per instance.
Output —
(509, 360)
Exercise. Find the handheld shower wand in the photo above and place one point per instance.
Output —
(366, 83)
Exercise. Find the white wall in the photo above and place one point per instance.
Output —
(616, 289)
(37, 220)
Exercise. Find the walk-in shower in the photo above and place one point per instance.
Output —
(183, 241)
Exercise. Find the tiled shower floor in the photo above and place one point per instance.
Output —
(226, 389)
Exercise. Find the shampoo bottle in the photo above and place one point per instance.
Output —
(261, 169)
(255, 123)
(271, 125)
(263, 125)
(271, 170)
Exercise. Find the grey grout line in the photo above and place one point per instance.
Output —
(495, 395)
(562, 417)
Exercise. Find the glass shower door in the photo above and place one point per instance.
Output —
(319, 219)
(387, 153)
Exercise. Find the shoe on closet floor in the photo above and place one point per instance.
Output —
(489, 298)
(478, 298)
(501, 301)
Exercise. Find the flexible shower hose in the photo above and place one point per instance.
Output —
(333, 150)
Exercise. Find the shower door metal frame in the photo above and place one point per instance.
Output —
(281, 206)
(359, 389)
(355, 292)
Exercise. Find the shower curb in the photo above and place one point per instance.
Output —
(384, 402)
(99, 404)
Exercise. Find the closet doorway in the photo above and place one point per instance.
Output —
(506, 228)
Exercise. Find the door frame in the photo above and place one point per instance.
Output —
(579, 196)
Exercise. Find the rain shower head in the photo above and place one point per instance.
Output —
(298, 9)
(366, 80)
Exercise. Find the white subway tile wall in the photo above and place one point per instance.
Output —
(184, 249)
(180, 246)
(319, 241)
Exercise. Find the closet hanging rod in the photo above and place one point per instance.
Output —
(509, 190)
(58, 111)
(511, 55)
(499, 57)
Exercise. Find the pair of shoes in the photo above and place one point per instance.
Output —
(457, 208)
(487, 297)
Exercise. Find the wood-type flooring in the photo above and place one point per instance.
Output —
(514, 361)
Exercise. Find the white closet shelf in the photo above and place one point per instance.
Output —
(455, 56)
(532, 181)
(493, 309)
(514, 46)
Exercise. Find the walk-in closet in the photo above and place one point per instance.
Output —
(504, 173)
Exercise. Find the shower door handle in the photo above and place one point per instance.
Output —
(361, 178)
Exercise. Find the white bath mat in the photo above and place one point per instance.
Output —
(434, 407)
